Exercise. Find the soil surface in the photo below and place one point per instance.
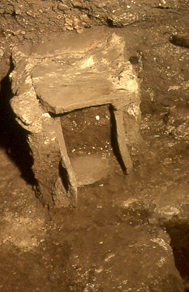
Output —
(63, 249)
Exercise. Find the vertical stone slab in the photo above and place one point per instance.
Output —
(66, 164)
(46, 166)
(46, 154)
(42, 141)
(122, 141)
(132, 117)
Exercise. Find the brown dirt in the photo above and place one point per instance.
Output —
(45, 250)
(90, 131)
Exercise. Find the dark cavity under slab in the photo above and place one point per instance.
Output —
(91, 131)
(12, 136)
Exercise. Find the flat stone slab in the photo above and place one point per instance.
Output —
(97, 77)
(89, 169)
(62, 94)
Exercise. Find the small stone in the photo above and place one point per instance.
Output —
(153, 221)
(97, 118)
(63, 7)
(99, 207)
(76, 3)
(181, 40)
(59, 16)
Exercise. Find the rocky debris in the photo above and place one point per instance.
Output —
(178, 123)
(30, 20)
(64, 75)
(157, 210)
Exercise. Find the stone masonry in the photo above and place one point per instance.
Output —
(63, 75)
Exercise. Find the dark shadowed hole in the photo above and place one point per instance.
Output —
(134, 60)
(180, 244)
(114, 140)
(64, 176)
(162, 7)
(110, 22)
(12, 136)
(13, 14)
